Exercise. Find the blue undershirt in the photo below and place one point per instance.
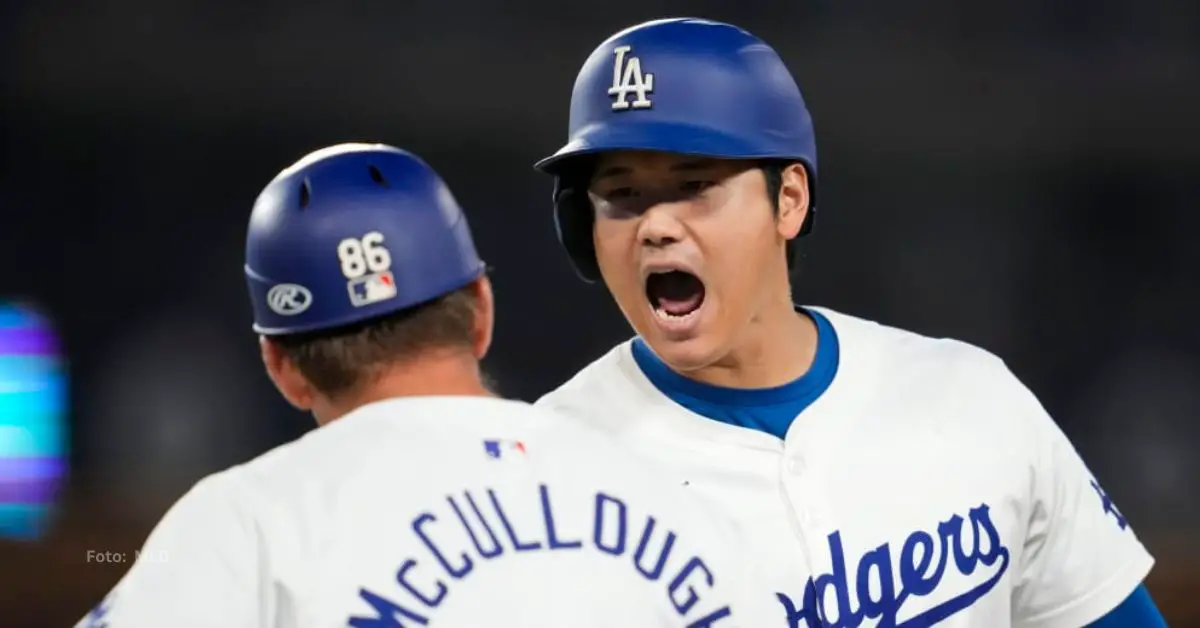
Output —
(769, 410)
(772, 410)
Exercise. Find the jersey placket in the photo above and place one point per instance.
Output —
(803, 483)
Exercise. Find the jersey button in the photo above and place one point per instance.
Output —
(795, 465)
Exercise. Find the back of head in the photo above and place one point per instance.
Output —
(356, 255)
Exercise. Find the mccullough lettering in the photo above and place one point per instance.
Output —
(426, 581)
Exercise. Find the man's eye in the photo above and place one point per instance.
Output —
(620, 193)
(695, 187)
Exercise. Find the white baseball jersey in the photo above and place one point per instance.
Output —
(925, 485)
(440, 511)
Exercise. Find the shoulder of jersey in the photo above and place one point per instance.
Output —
(593, 376)
(892, 345)
(455, 438)
(602, 384)
(910, 359)
(420, 432)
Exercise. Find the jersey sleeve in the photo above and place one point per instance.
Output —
(1081, 557)
(196, 569)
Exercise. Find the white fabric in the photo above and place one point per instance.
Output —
(927, 483)
(304, 535)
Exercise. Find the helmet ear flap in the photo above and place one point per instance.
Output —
(573, 221)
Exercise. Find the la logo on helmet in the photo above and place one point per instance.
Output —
(628, 79)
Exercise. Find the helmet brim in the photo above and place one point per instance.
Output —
(668, 137)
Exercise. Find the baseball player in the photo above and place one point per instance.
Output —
(421, 499)
(894, 479)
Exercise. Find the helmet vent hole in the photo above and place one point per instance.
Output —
(377, 176)
(305, 193)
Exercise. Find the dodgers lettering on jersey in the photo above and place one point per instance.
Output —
(921, 563)
(615, 531)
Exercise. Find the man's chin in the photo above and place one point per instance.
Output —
(684, 355)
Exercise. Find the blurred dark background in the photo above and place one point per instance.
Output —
(1020, 175)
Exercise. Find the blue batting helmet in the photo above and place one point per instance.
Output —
(681, 85)
(350, 233)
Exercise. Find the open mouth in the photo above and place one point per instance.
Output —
(674, 294)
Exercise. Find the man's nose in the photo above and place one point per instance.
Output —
(661, 225)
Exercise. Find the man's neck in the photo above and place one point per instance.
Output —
(442, 374)
(778, 347)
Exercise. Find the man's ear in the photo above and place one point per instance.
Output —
(286, 377)
(793, 200)
(485, 317)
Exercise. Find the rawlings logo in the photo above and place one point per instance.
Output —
(874, 593)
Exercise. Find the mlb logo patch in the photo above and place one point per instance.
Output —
(372, 288)
(498, 448)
